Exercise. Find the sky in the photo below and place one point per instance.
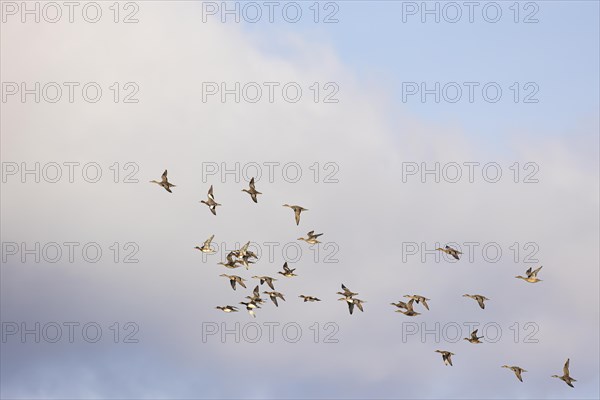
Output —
(386, 176)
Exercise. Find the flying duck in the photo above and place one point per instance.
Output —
(255, 298)
(210, 202)
(227, 309)
(233, 279)
(400, 304)
(566, 378)
(409, 308)
(252, 192)
(480, 299)
(244, 252)
(449, 250)
(474, 338)
(419, 299)
(231, 262)
(287, 271)
(309, 298)
(517, 370)
(245, 261)
(164, 182)
(311, 237)
(531, 276)
(250, 306)
(353, 302)
(206, 246)
(446, 356)
(266, 279)
(297, 211)
(274, 296)
(346, 292)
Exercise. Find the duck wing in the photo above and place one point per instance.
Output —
(518, 374)
(359, 305)
(481, 303)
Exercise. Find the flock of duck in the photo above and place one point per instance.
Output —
(243, 258)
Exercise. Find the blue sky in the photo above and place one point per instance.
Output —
(558, 53)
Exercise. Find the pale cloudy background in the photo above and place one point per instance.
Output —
(369, 213)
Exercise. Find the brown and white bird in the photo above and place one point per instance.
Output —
(419, 299)
(353, 302)
(233, 279)
(287, 272)
(255, 298)
(244, 255)
(231, 263)
(206, 246)
(245, 261)
(164, 182)
(408, 308)
(250, 307)
(446, 356)
(210, 201)
(566, 377)
(531, 275)
(479, 298)
(252, 192)
(350, 300)
(309, 298)
(400, 304)
(517, 370)
(227, 309)
(273, 296)
(266, 279)
(297, 211)
(449, 250)
(243, 252)
(346, 292)
(474, 338)
(311, 237)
